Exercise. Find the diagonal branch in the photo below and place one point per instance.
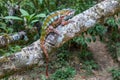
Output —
(33, 55)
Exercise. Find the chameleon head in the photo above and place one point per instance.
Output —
(69, 14)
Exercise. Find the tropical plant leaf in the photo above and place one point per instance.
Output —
(13, 17)
(32, 16)
(24, 12)
(40, 1)
(33, 21)
(41, 15)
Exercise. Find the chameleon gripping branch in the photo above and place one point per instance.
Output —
(56, 18)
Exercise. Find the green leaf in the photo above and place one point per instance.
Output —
(9, 30)
(93, 38)
(43, 77)
(24, 13)
(2, 52)
(13, 17)
(33, 21)
(41, 1)
(88, 40)
(32, 16)
(40, 15)
(2, 25)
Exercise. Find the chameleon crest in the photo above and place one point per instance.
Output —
(66, 13)
(54, 19)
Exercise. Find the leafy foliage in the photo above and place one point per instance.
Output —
(115, 74)
(63, 74)
(9, 50)
(89, 66)
(113, 36)
(5, 29)
(98, 30)
(27, 18)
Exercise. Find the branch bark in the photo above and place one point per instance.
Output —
(8, 39)
(33, 55)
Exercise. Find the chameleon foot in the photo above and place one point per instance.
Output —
(66, 22)
(51, 29)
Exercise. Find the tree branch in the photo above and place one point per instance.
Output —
(8, 39)
(33, 55)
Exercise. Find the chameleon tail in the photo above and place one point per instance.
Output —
(46, 56)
